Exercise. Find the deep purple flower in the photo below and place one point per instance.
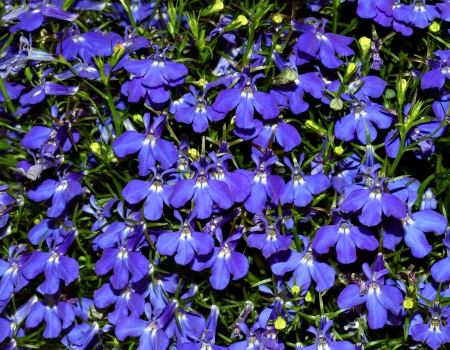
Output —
(262, 184)
(439, 72)
(153, 78)
(150, 145)
(225, 261)
(82, 336)
(440, 270)
(434, 333)
(304, 266)
(363, 115)
(11, 271)
(185, 241)
(346, 236)
(203, 189)
(52, 311)
(7, 203)
(301, 188)
(412, 226)
(61, 192)
(247, 99)
(101, 213)
(374, 201)
(154, 192)
(194, 109)
(55, 264)
(315, 43)
(325, 339)
(418, 14)
(378, 296)
(271, 240)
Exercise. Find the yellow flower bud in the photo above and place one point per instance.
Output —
(137, 118)
(217, 6)
(295, 290)
(308, 297)
(365, 43)
(435, 27)
(408, 303)
(193, 153)
(351, 68)
(277, 18)
(238, 22)
(97, 148)
(280, 323)
(338, 150)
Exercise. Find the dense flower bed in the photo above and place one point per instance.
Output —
(221, 175)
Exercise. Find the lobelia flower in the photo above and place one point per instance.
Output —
(315, 43)
(346, 236)
(7, 203)
(151, 334)
(428, 201)
(290, 95)
(262, 183)
(52, 311)
(238, 184)
(185, 241)
(61, 191)
(208, 338)
(363, 114)
(12, 271)
(154, 192)
(247, 99)
(271, 241)
(124, 258)
(345, 172)
(153, 78)
(49, 228)
(439, 71)
(225, 261)
(433, 333)
(194, 109)
(418, 14)
(203, 189)
(304, 266)
(374, 201)
(32, 19)
(252, 341)
(82, 336)
(325, 339)
(412, 227)
(41, 163)
(378, 296)
(300, 189)
(363, 87)
(151, 146)
(440, 270)
(55, 264)
(127, 301)
(101, 213)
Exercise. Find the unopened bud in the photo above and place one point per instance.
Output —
(277, 18)
(337, 104)
(295, 290)
(280, 323)
(365, 44)
(238, 22)
(338, 150)
(408, 303)
(308, 297)
(435, 27)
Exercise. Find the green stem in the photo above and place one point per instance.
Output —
(8, 101)
(110, 99)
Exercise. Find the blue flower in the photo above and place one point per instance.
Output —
(185, 241)
(346, 236)
(150, 145)
(433, 333)
(246, 98)
(379, 298)
(440, 70)
(12, 271)
(418, 14)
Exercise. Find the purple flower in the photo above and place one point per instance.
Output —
(304, 266)
(346, 237)
(434, 333)
(363, 115)
(246, 98)
(55, 264)
(101, 213)
(325, 339)
(300, 189)
(271, 241)
(315, 43)
(7, 203)
(154, 192)
(61, 192)
(185, 241)
(262, 183)
(412, 226)
(52, 311)
(374, 201)
(378, 296)
(151, 334)
(439, 72)
(194, 109)
(440, 270)
(82, 336)
(428, 201)
(150, 145)
(11, 271)
(418, 14)
(204, 189)
(153, 78)
(225, 261)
